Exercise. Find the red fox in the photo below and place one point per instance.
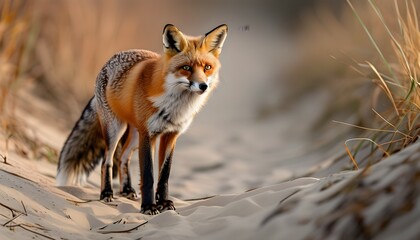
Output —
(141, 96)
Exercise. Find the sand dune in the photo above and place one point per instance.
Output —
(342, 205)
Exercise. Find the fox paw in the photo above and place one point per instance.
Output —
(165, 205)
(107, 195)
(129, 193)
(149, 210)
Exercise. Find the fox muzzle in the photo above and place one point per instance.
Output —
(198, 87)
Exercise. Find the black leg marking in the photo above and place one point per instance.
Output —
(162, 196)
(148, 205)
(106, 193)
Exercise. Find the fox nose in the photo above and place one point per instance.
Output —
(203, 87)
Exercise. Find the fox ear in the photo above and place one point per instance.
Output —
(173, 40)
(214, 39)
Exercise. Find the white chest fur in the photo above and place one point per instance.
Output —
(176, 110)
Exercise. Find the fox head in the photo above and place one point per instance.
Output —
(192, 63)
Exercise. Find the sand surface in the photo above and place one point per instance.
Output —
(32, 207)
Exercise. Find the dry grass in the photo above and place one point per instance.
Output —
(367, 58)
(16, 45)
(14, 28)
(396, 76)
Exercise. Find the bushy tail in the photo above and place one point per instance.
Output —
(83, 149)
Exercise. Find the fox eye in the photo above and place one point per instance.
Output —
(207, 67)
(186, 68)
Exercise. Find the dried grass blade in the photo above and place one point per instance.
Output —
(369, 140)
(351, 157)
(385, 87)
(364, 128)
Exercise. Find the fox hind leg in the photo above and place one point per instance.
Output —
(113, 130)
(118, 153)
(166, 150)
(130, 145)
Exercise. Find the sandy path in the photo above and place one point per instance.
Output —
(32, 207)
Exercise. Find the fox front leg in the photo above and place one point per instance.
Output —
(146, 146)
(166, 150)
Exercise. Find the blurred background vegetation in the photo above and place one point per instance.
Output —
(359, 56)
